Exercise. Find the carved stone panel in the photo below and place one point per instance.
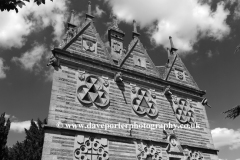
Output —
(173, 142)
(93, 90)
(116, 49)
(145, 151)
(90, 148)
(183, 110)
(144, 102)
(89, 45)
(139, 61)
(193, 155)
(180, 75)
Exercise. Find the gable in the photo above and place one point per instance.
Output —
(137, 59)
(85, 41)
(179, 74)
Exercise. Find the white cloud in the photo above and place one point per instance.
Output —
(226, 137)
(49, 74)
(11, 117)
(98, 11)
(19, 127)
(31, 59)
(190, 21)
(15, 27)
(2, 69)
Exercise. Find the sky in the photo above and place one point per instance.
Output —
(206, 33)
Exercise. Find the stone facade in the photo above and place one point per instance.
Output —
(95, 85)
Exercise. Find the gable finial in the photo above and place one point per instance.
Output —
(72, 17)
(89, 12)
(135, 32)
(134, 26)
(115, 22)
(173, 49)
(71, 24)
(89, 8)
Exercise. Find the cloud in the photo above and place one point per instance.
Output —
(209, 54)
(11, 117)
(226, 137)
(15, 27)
(19, 127)
(187, 23)
(32, 58)
(98, 11)
(49, 74)
(2, 69)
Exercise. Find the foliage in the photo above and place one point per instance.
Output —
(4, 129)
(13, 4)
(31, 147)
(233, 113)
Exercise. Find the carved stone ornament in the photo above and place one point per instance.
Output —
(53, 61)
(180, 75)
(89, 45)
(144, 151)
(117, 48)
(183, 110)
(193, 155)
(93, 91)
(89, 148)
(143, 103)
(173, 142)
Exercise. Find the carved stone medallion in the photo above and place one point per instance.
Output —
(143, 102)
(89, 148)
(183, 110)
(92, 90)
(180, 75)
(89, 45)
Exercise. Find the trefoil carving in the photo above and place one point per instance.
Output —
(143, 102)
(93, 90)
(183, 110)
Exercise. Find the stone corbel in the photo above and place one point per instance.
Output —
(54, 61)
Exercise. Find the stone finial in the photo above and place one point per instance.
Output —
(89, 15)
(115, 22)
(135, 32)
(72, 17)
(172, 46)
(89, 8)
(134, 26)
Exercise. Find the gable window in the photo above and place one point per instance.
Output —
(139, 61)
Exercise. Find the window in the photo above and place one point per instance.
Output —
(139, 61)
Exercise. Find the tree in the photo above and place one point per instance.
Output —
(31, 147)
(4, 129)
(233, 113)
(13, 4)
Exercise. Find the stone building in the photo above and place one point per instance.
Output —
(111, 103)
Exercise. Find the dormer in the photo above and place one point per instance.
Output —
(115, 37)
